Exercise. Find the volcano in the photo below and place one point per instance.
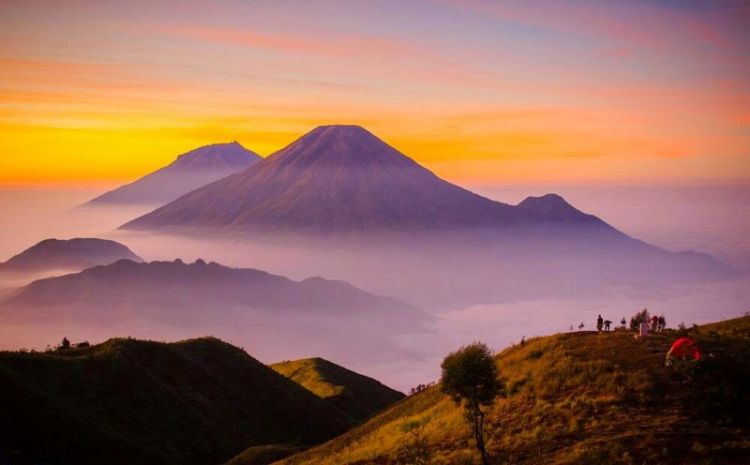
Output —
(189, 171)
(340, 179)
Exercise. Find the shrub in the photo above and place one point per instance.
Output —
(638, 318)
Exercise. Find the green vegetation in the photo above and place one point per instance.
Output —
(125, 401)
(579, 398)
(470, 377)
(638, 318)
(356, 395)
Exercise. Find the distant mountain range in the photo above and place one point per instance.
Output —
(126, 401)
(189, 171)
(68, 255)
(183, 293)
(343, 179)
(341, 185)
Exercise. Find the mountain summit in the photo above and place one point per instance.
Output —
(189, 171)
(332, 179)
(555, 208)
(68, 254)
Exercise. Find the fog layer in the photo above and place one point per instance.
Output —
(496, 295)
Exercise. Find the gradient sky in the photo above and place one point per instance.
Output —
(481, 92)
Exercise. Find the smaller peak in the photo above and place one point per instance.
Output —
(547, 200)
(200, 262)
(213, 150)
(554, 207)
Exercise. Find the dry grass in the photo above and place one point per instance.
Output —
(580, 398)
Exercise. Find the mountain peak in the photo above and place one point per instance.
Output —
(69, 254)
(187, 172)
(555, 208)
(547, 201)
(336, 178)
(341, 129)
(225, 154)
(341, 146)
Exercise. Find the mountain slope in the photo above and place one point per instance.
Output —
(163, 290)
(333, 179)
(275, 317)
(70, 254)
(578, 398)
(356, 395)
(125, 401)
(189, 171)
(552, 207)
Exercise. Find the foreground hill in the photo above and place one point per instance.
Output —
(125, 401)
(356, 395)
(189, 171)
(67, 254)
(579, 398)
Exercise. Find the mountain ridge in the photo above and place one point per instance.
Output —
(187, 172)
(68, 254)
(206, 281)
(189, 402)
(334, 179)
(356, 395)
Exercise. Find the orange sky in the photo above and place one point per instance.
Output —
(481, 92)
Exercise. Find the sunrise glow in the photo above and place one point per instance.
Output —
(480, 92)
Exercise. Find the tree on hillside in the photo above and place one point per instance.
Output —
(65, 344)
(638, 318)
(470, 377)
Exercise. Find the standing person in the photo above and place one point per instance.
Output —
(607, 324)
(599, 323)
(654, 323)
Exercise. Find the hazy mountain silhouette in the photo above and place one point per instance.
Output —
(189, 171)
(127, 401)
(342, 182)
(335, 179)
(68, 254)
(185, 294)
(552, 207)
(356, 395)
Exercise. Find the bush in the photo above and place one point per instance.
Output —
(638, 318)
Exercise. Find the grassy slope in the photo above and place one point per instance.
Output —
(125, 401)
(356, 395)
(581, 398)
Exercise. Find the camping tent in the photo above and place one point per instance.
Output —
(684, 348)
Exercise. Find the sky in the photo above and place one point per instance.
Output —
(98, 92)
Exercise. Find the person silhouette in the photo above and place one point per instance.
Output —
(599, 323)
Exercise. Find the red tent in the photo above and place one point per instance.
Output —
(684, 347)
